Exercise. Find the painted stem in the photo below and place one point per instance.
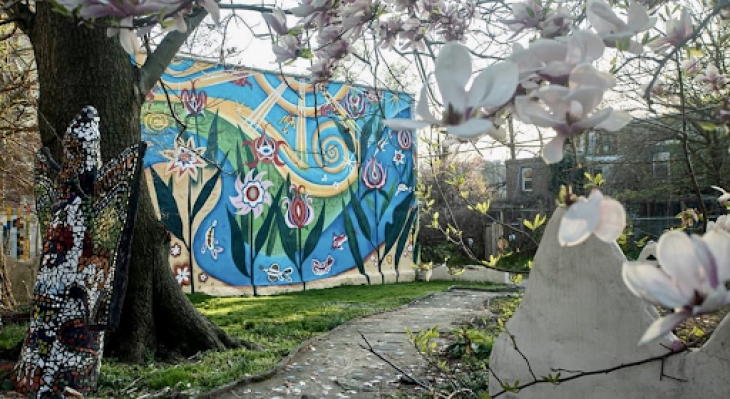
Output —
(251, 256)
(189, 244)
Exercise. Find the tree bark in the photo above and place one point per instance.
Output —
(79, 66)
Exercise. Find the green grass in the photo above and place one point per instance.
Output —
(279, 323)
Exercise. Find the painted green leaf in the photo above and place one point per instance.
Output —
(362, 219)
(288, 240)
(205, 193)
(211, 147)
(403, 239)
(353, 245)
(346, 136)
(273, 235)
(263, 232)
(367, 130)
(393, 229)
(239, 160)
(314, 235)
(168, 207)
(238, 247)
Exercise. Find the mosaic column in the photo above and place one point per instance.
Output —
(86, 214)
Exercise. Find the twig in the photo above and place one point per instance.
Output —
(372, 350)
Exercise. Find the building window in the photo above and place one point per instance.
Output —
(661, 165)
(526, 179)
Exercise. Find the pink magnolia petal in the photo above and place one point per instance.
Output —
(719, 243)
(707, 268)
(471, 129)
(652, 284)
(552, 152)
(580, 220)
(453, 71)
(649, 250)
(588, 75)
(616, 120)
(532, 112)
(612, 221)
(212, 8)
(594, 120)
(676, 255)
(638, 18)
(663, 326)
(494, 86)
(422, 108)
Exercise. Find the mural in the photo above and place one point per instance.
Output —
(87, 214)
(269, 184)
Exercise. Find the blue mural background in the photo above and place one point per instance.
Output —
(273, 184)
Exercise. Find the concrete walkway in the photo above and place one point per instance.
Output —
(335, 366)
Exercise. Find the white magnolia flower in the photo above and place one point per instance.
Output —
(603, 217)
(724, 198)
(127, 36)
(492, 88)
(692, 65)
(613, 30)
(692, 278)
(571, 110)
(553, 60)
(711, 80)
(721, 223)
(678, 30)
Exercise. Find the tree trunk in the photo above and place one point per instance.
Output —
(78, 66)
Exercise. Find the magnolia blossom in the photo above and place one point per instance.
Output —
(678, 31)
(127, 36)
(525, 15)
(712, 80)
(276, 21)
(721, 223)
(603, 217)
(613, 30)
(553, 60)
(557, 23)
(692, 65)
(571, 110)
(692, 278)
(492, 88)
(724, 198)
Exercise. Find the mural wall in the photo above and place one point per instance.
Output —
(274, 186)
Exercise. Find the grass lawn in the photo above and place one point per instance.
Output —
(279, 323)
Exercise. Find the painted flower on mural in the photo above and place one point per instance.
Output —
(399, 158)
(202, 277)
(241, 79)
(692, 278)
(598, 215)
(175, 250)
(405, 139)
(298, 207)
(374, 174)
(194, 101)
(184, 159)
(182, 274)
(252, 194)
(265, 149)
(356, 105)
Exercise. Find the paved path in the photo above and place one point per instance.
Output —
(335, 366)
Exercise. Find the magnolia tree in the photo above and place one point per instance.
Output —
(550, 65)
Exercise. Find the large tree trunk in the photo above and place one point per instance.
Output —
(78, 66)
